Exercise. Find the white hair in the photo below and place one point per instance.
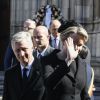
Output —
(32, 23)
(21, 36)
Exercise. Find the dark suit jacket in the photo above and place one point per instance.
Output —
(33, 90)
(59, 45)
(63, 82)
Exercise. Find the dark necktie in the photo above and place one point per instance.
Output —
(39, 56)
(25, 77)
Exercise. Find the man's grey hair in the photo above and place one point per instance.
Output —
(21, 36)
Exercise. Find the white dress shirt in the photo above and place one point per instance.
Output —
(27, 67)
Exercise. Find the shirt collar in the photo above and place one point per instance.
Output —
(52, 37)
(42, 53)
(28, 66)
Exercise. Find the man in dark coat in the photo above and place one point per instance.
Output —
(41, 39)
(23, 81)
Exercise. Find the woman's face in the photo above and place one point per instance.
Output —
(78, 41)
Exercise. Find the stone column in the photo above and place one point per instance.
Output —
(20, 11)
(65, 6)
(34, 8)
(12, 17)
(55, 2)
(72, 9)
(41, 3)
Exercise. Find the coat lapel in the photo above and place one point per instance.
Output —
(35, 53)
(60, 45)
(72, 69)
(48, 50)
(76, 68)
(80, 69)
(17, 80)
(50, 42)
(34, 72)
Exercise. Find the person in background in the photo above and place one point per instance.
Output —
(86, 56)
(29, 26)
(23, 81)
(41, 39)
(10, 59)
(55, 35)
(64, 71)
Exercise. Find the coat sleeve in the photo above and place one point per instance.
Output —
(53, 71)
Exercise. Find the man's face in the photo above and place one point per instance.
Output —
(23, 52)
(41, 39)
(54, 29)
(28, 27)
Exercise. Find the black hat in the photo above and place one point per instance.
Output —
(68, 23)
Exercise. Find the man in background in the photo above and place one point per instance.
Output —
(41, 39)
(55, 35)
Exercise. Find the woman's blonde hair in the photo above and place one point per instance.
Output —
(75, 30)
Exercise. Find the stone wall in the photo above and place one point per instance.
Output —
(84, 11)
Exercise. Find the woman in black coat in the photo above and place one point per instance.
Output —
(64, 72)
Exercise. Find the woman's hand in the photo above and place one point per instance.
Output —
(71, 51)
